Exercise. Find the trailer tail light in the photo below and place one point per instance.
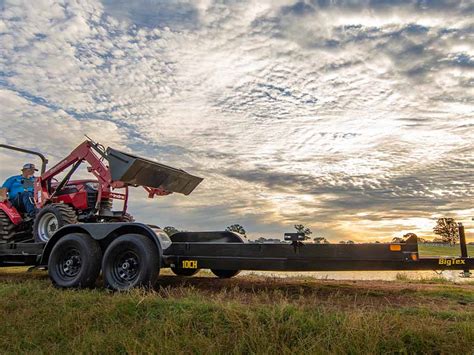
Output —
(414, 256)
(395, 247)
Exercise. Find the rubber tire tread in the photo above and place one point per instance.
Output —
(6, 226)
(64, 213)
(127, 217)
(91, 256)
(225, 274)
(149, 260)
(184, 272)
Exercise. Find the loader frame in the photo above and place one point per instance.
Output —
(113, 170)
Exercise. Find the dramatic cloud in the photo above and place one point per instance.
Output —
(355, 118)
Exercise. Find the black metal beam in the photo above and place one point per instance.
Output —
(317, 264)
(310, 257)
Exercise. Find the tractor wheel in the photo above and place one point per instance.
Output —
(75, 261)
(225, 274)
(7, 228)
(131, 260)
(127, 217)
(184, 272)
(50, 218)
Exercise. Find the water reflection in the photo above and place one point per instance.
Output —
(451, 275)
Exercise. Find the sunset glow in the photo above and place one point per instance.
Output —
(355, 119)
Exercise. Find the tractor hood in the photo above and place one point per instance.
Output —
(137, 171)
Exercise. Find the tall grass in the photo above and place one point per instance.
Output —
(443, 250)
(205, 315)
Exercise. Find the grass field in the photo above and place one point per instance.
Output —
(431, 250)
(250, 314)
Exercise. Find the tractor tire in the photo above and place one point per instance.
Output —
(127, 217)
(50, 218)
(7, 228)
(75, 261)
(225, 274)
(131, 260)
(184, 272)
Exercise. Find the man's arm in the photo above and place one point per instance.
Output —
(8, 183)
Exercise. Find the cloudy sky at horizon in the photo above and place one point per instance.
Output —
(355, 118)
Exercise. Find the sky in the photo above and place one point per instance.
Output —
(355, 118)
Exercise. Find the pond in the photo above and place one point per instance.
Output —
(451, 275)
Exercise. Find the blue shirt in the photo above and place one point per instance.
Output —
(18, 183)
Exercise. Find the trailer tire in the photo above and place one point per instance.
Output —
(184, 272)
(131, 260)
(75, 261)
(50, 218)
(225, 274)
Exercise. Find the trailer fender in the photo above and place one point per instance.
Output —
(208, 237)
(105, 233)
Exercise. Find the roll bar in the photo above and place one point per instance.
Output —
(44, 161)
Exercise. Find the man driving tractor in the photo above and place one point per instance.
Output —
(20, 190)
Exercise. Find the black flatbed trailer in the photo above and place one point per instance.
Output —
(309, 257)
(124, 250)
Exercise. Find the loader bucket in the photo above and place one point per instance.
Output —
(138, 171)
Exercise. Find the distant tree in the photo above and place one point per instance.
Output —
(342, 242)
(237, 228)
(398, 240)
(447, 229)
(349, 242)
(409, 235)
(170, 230)
(300, 228)
(320, 240)
(346, 242)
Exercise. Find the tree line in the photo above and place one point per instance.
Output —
(445, 228)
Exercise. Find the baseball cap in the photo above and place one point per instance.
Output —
(29, 166)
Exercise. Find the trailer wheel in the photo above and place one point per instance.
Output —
(184, 272)
(75, 261)
(131, 260)
(225, 274)
(50, 218)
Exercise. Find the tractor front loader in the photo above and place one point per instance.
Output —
(66, 201)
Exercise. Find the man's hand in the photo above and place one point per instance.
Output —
(3, 194)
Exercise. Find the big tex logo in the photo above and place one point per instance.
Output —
(451, 261)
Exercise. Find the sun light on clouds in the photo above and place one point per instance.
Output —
(353, 118)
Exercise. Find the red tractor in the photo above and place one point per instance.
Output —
(66, 201)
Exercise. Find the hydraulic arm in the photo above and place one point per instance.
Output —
(94, 154)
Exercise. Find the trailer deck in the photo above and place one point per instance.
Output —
(309, 257)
